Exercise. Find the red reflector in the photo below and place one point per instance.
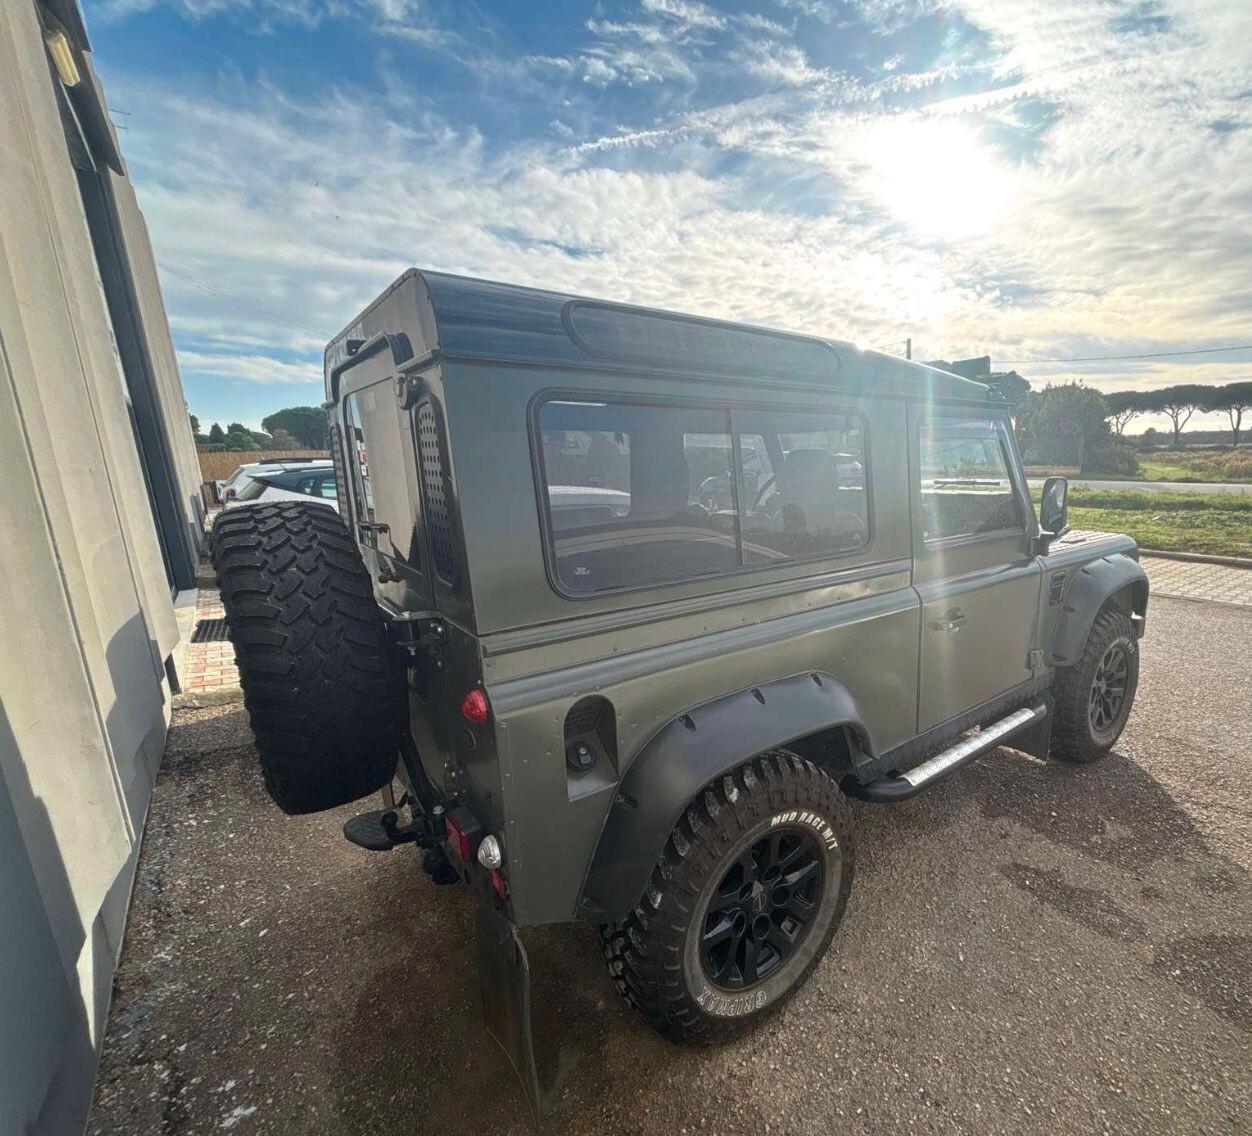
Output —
(500, 884)
(474, 707)
(459, 841)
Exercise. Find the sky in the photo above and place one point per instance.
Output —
(1030, 179)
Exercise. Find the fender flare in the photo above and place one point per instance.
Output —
(683, 757)
(1090, 587)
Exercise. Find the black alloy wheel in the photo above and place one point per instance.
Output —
(1108, 688)
(762, 909)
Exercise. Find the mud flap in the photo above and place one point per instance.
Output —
(504, 976)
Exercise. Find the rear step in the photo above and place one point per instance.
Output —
(379, 831)
(888, 789)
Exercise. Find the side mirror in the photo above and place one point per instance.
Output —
(1054, 507)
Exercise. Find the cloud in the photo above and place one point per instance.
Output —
(406, 19)
(747, 175)
(687, 13)
(249, 368)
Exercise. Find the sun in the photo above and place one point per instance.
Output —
(935, 175)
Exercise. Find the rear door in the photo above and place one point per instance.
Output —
(975, 571)
(388, 516)
(382, 490)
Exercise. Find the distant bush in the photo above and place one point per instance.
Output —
(1109, 455)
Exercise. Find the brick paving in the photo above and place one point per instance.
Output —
(210, 666)
(1190, 580)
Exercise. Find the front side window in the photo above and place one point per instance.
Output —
(639, 494)
(966, 487)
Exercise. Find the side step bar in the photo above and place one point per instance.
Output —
(888, 789)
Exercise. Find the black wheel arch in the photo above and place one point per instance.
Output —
(687, 754)
(1118, 579)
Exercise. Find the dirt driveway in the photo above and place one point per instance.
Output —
(1029, 948)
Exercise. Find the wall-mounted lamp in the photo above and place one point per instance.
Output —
(62, 56)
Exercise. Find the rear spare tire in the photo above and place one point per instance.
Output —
(312, 651)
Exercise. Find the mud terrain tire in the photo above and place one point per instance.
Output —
(312, 651)
(659, 957)
(1080, 733)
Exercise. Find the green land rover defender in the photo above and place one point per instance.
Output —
(621, 605)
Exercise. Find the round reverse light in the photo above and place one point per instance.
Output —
(490, 854)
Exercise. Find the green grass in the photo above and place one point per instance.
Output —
(1234, 466)
(1212, 523)
(1197, 465)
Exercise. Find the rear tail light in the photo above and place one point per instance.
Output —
(474, 708)
(459, 839)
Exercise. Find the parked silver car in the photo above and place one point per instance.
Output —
(243, 476)
(314, 482)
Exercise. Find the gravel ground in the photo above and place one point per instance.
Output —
(1029, 948)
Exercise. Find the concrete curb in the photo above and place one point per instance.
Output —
(1198, 558)
(213, 696)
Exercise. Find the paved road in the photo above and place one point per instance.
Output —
(1030, 948)
(1193, 580)
(1154, 486)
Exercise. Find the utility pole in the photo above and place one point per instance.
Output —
(908, 348)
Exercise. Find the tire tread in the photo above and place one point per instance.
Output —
(312, 651)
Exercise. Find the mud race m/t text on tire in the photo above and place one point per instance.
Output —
(746, 898)
(311, 646)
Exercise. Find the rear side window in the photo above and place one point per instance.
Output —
(804, 492)
(966, 488)
(643, 494)
(252, 490)
(623, 485)
(320, 484)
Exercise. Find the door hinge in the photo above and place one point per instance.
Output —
(409, 389)
(1038, 666)
(418, 632)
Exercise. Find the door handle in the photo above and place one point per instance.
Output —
(953, 620)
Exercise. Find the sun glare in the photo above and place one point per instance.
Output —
(935, 176)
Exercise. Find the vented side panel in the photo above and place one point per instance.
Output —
(341, 472)
(435, 490)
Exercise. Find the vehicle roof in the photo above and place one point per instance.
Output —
(296, 474)
(464, 317)
(304, 463)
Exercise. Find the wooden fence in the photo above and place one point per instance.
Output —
(218, 467)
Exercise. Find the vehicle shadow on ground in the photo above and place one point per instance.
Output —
(1115, 813)
(423, 1034)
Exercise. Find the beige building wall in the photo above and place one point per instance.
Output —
(86, 614)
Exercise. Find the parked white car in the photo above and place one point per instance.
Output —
(238, 481)
(313, 481)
